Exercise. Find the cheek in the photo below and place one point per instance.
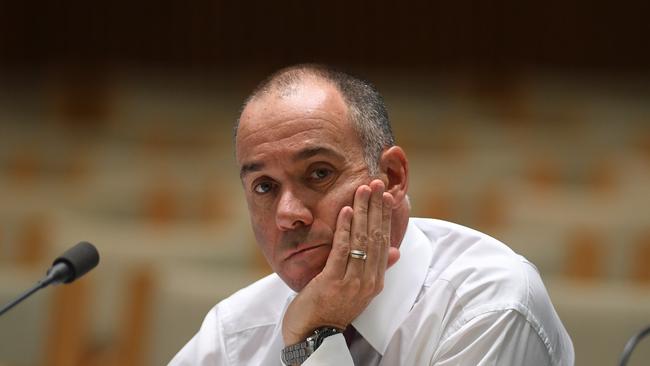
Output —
(345, 192)
(261, 215)
(261, 240)
(267, 244)
(330, 206)
(264, 230)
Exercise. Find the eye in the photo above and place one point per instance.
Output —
(263, 187)
(320, 173)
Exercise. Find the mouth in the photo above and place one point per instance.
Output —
(304, 249)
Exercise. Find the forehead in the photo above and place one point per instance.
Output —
(311, 115)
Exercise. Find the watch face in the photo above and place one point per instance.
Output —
(321, 334)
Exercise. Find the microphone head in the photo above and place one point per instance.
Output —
(80, 259)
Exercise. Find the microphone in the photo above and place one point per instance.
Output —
(72, 264)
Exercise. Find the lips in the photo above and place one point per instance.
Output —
(300, 249)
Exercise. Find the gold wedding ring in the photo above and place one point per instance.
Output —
(358, 254)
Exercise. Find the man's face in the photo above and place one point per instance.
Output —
(300, 162)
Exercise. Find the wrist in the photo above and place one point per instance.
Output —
(292, 337)
(297, 353)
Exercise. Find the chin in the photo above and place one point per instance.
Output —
(298, 282)
(297, 272)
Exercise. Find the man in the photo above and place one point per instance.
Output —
(356, 280)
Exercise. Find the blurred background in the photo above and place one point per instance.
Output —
(527, 120)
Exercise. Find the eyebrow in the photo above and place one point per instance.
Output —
(303, 154)
(249, 168)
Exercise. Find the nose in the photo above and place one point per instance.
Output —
(292, 212)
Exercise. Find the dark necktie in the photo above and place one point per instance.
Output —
(350, 334)
(361, 351)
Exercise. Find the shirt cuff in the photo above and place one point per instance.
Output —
(333, 351)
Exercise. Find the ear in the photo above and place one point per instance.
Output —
(394, 168)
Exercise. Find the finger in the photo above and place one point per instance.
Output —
(359, 232)
(387, 211)
(337, 260)
(375, 232)
(393, 256)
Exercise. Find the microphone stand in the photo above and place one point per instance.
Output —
(60, 272)
(629, 346)
(39, 285)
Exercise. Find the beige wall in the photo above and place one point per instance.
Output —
(556, 166)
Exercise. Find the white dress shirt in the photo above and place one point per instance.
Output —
(455, 297)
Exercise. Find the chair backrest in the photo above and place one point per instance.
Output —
(134, 330)
(66, 341)
(585, 257)
(641, 259)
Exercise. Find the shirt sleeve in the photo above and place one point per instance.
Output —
(493, 338)
(332, 352)
(206, 347)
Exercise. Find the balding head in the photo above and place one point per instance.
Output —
(365, 106)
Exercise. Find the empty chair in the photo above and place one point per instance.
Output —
(640, 260)
(585, 255)
(69, 324)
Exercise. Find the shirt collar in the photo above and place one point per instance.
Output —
(402, 284)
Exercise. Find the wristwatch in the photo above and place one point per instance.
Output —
(297, 354)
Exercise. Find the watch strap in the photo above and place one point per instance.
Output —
(298, 353)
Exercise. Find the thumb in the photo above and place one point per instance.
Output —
(393, 256)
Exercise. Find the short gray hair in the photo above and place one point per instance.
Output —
(366, 107)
